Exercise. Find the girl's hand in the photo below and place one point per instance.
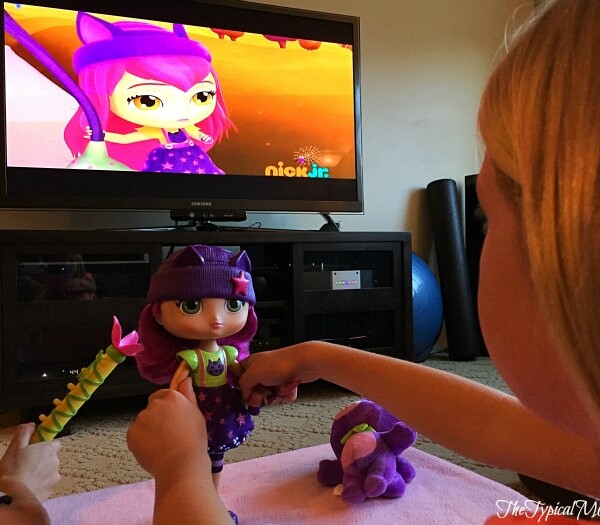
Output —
(170, 434)
(262, 396)
(34, 467)
(273, 377)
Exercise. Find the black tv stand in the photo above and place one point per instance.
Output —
(330, 225)
(60, 290)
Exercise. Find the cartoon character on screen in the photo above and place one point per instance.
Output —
(199, 321)
(156, 93)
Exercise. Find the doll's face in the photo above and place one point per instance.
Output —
(203, 319)
(159, 105)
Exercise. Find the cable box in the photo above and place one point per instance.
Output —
(338, 280)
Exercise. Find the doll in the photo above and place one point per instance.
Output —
(368, 442)
(156, 93)
(199, 321)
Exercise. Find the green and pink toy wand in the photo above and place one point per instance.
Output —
(90, 378)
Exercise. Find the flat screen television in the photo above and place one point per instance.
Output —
(179, 104)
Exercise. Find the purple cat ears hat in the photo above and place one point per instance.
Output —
(105, 41)
(199, 271)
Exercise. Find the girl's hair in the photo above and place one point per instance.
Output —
(194, 272)
(540, 121)
(98, 80)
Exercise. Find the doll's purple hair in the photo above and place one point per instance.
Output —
(194, 272)
(110, 50)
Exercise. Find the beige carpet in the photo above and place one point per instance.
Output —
(95, 454)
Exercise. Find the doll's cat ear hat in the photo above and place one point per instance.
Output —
(105, 41)
(199, 271)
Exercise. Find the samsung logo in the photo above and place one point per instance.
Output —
(201, 204)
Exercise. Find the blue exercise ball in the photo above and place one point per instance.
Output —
(427, 309)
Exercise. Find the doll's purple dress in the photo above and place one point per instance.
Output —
(180, 154)
(228, 421)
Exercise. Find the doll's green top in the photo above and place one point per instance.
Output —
(209, 369)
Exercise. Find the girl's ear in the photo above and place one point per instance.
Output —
(157, 314)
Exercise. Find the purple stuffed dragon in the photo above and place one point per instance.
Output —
(368, 443)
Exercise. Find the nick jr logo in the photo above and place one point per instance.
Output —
(297, 171)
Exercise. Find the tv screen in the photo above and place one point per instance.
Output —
(180, 105)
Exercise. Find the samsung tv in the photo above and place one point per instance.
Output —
(179, 105)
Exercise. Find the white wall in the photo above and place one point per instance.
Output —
(424, 65)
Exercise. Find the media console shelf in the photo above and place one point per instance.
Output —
(60, 290)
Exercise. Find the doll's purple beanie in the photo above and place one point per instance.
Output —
(105, 41)
(199, 271)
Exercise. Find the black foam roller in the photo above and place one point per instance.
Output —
(474, 237)
(460, 315)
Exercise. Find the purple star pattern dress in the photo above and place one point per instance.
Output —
(228, 421)
(180, 154)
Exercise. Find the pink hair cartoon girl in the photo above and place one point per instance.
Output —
(156, 93)
(199, 321)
